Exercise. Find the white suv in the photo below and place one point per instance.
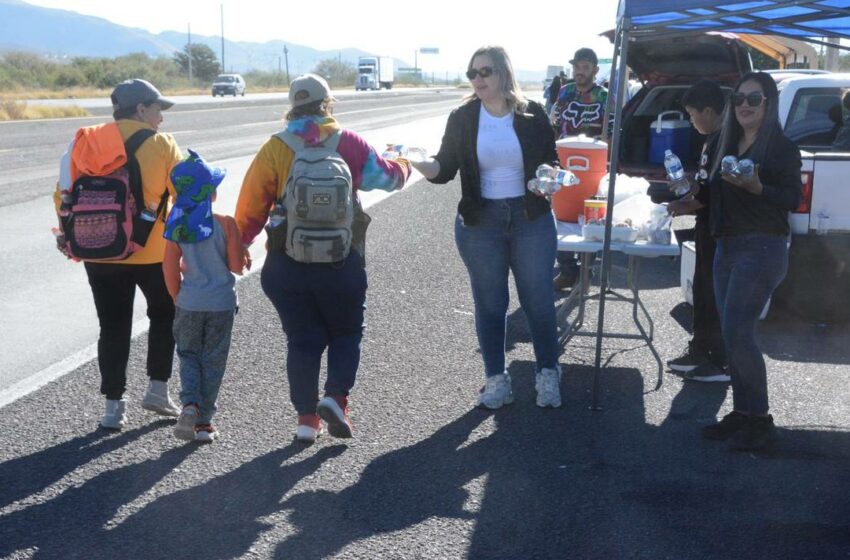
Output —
(232, 84)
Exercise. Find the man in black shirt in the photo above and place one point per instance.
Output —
(705, 358)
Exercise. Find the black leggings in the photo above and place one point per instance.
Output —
(114, 288)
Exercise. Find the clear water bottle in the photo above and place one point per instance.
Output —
(417, 154)
(745, 168)
(673, 165)
(276, 216)
(729, 164)
(394, 151)
(566, 178)
(545, 171)
(676, 173)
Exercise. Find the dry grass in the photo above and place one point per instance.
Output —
(18, 110)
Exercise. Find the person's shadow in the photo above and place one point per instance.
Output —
(29, 474)
(218, 519)
(223, 517)
(569, 483)
(72, 524)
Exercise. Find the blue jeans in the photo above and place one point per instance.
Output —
(747, 268)
(203, 343)
(505, 240)
(320, 306)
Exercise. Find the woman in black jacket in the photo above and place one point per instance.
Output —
(497, 139)
(749, 219)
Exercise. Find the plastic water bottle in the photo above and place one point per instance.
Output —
(566, 178)
(545, 171)
(394, 151)
(676, 174)
(745, 168)
(276, 216)
(417, 154)
(729, 164)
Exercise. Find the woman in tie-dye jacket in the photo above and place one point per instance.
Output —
(320, 305)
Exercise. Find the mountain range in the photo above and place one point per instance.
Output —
(64, 34)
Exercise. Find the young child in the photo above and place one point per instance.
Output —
(202, 251)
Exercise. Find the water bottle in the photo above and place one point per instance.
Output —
(545, 171)
(729, 164)
(676, 173)
(673, 166)
(394, 151)
(417, 154)
(566, 178)
(276, 216)
(745, 168)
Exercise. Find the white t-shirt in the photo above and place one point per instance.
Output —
(499, 157)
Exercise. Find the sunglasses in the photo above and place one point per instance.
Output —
(753, 99)
(484, 72)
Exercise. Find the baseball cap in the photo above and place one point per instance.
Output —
(195, 181)
(585, 54)
(130, 93)
(307, 89)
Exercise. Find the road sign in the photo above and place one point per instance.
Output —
(429, 50)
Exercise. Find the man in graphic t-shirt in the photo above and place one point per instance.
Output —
(580, 109)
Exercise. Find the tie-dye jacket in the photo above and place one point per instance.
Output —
(266, 176)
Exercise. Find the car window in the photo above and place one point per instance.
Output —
(815, 117)
(225, 79)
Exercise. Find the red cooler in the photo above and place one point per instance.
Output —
(587, 158)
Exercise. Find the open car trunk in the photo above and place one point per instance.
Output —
(667, 67)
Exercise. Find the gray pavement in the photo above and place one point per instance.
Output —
(428, 476)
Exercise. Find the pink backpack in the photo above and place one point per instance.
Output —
(104, 218)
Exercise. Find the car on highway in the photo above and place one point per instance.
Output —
(228, 84)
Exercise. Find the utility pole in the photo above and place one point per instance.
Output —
(189, 50)
(286, 59)
(222, 39)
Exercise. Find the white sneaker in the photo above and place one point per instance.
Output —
(115, 416)
(157, 400)
(305, 432)
(497, 392)
(205, 433)
(185, 427)
(548, 385)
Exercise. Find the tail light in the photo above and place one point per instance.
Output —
(806, 205)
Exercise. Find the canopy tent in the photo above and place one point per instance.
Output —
(782, 49)
(812, 21)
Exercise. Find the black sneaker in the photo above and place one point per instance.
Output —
(690, 359)
(727, 427)
(707, 372)
(757, 433)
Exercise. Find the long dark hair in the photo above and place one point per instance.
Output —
(730, 131)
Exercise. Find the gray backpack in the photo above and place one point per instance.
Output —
(318, 202)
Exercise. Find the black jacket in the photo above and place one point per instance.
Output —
(458, 152)
(735, 211)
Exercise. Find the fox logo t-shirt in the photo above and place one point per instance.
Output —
(579, 113)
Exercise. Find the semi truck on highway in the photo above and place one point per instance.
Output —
(374, 72)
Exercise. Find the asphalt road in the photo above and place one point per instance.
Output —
(427, 476)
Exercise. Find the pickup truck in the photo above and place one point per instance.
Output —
(817, 286)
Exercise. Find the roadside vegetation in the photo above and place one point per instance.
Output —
(31, 76)
(21, 110)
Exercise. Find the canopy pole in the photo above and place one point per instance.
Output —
(620, 57)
